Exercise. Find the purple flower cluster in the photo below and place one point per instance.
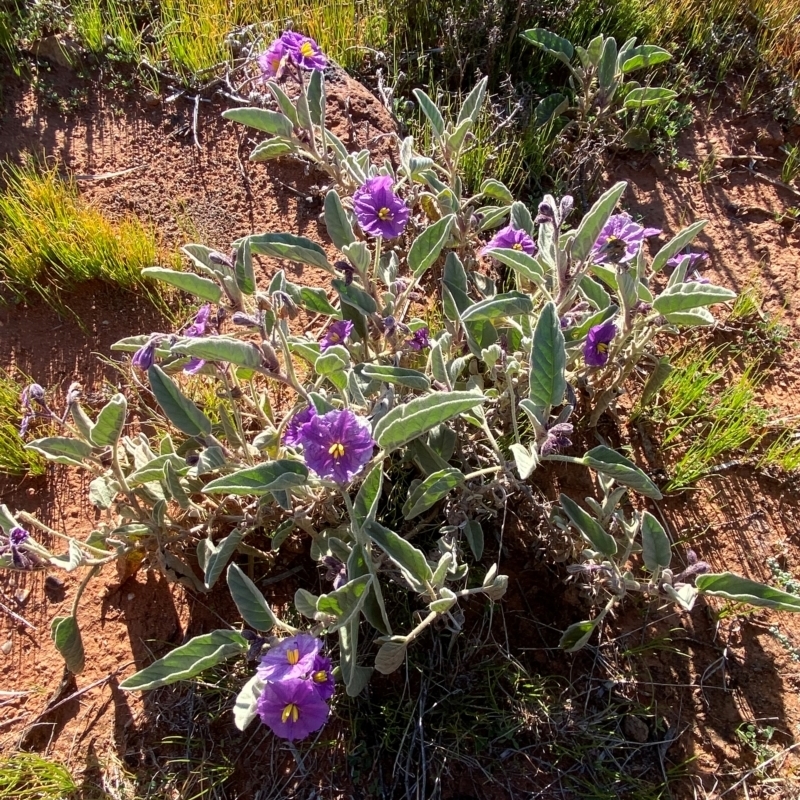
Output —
(291, 48)
(298, 683)
(32, 400)
(619, 240)
(335, 445)
(379, 211)
(420, 340)
(511, 238)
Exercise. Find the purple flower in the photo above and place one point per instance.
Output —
(145, 356)
(195, 330)
(291, 435)
(512, 238)
(696, 258)
(337, 333)
(420, 340)
(379, 211)
(292, 709)
(620, 240)
(303, 50)
(290, 658)
(21, 558)
(321, 677)
(337, 444)
(336, 572)
(273, 61)
(557, 439)
(595, 349)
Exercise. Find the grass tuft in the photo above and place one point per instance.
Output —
(28, 776)
(51, 241)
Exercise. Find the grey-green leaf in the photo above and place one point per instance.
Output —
(201, 287)
(391, 655)
(180, 410)
(431, 491)
(398, 375)
(188, 660)
(291, 247)
(67, 638)
(251, 603)
(412, 562)
(644, 96)
(431, 112)
(656, 547)
(743, 590)
(473, 103)
(219, 555)
(676, 244)
(110, 422)
(589, 527)
(426, 247)
(646, 55)
(682, 297)
(268, 477)
(61, 449)
(510, 304)
(576, 636)
(337, 222)
(261, 119)
(405, 422)
(548, 360)
(245, 707)
(473, 531)
(221, 348)
(369, 495)
(611, 463)
(551, 43)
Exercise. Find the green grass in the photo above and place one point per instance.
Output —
(192, 38)
(51, 241)
(14, 458)
(28, 776)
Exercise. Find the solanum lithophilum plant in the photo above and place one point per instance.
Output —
(470, 409)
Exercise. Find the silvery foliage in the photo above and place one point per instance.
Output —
(601, 90)
(471, 419)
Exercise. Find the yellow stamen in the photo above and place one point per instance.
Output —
(320, 677)
(276, 64)
(293, 656)
(333, 336)
(602, 347)
(385, 214)
(290, 711)
(516, 246)
(306, 50)
(336, 450)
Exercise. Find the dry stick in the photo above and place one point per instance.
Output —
(104, 176)
(749, 774)
(774, 181)
(16, 616)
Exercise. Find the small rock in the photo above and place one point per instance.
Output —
(5, 648)
(635, 728)
(131, 595)
(22, 596)
(60, 50)
(152, 100)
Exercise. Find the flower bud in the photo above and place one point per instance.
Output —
(245, 320)
(145, 357)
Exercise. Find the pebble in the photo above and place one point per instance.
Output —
(22, 596)
(5, 648)
(131, 595)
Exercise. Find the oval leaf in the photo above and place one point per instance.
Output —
(589, 527)
(548, 361)
(290, 247)
(431, 491)
(201, 287)
(743, 590)
(180, 410)
(609, 462)
(261, 119)
(656, 547)
(510, 304)
(67, 637)
(418, 416)
(188, 660)
(110, 422)
(273, 475)
(427, 246)
(252, 606)
(221, 348)
(412, 562)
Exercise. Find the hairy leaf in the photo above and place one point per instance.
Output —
(188, 660)
(656, 547)
(431, 491)
(412, 562)
(67, 638)
(180, 410)
(589, 527)
(609, 462)
(743, 590)
(201, 287)
(252, 606)
(268, 477)
(426, 247)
